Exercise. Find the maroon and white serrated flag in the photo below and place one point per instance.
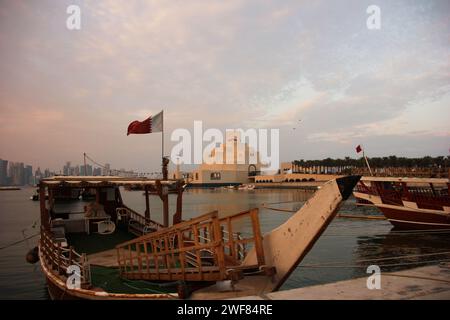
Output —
(358, 148)
(149, 125)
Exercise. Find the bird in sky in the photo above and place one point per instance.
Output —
(296, 127)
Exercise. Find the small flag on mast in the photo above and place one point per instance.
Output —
(149, 125)
(358, 148)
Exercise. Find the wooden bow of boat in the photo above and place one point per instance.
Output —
(286, 246)
(408, 203)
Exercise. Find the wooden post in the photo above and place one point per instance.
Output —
(59, 258)
(147, 204)
(165, 210)
(231, 239)
(44, 211)
(219, 247)
(139, 259)
(257, 236)
(197, 255)
(71, 255)
(155, 257)
(165, 199)
(166, 255)
(182, 252)
(146, 256)
(178, 213)
(131, 259)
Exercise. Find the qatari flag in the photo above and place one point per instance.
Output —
(358, 148)
(150, 125)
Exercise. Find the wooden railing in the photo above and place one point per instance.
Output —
(201, 249)
(235, 244)
(60, 258)
(131, 216)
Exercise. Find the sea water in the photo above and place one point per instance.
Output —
(344, 251)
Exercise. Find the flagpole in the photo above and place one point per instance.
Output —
(162, 137)
(367, 162)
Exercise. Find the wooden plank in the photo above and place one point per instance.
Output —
(155, 256)
(180, 226)
(257, 236)
(138, 255)
(166, 255)
(131, 258)
(211, 275)
(219, 250)
(231, 239)
(196, 252)
(182, 253)
(147, 204)
(146, 255)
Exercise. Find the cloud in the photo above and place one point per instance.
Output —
(229, 63)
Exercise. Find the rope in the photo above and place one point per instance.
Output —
(382, 259)
(338, 216)
(395, 233)
(19, 241)
(361, 217)
(277, 209)
(381, 265)
(148, 289)
(396, 257)
(115, 170)
(415, 277)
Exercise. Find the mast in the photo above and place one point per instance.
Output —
(162, 138)
(367, 162)
(85, 172)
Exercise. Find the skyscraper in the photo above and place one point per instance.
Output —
(107, 169)
(28, 175)
(66, 169)
(17, 173)
(3, 172)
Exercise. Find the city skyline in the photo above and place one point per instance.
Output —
(233, 64)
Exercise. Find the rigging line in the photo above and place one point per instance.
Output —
(414, 277)
(171, 295)
(383, 235)
(396, 257)
(104, 167)
(19, 241)
(293, 201)
(380, 265)
(278, 209)
(422, 231)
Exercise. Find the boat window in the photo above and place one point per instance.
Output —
(215, 175)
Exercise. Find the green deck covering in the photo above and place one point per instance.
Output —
(109, 280)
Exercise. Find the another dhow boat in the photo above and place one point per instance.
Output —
(408, 203)
(109, 251)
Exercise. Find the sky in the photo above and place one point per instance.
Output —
(309, 65)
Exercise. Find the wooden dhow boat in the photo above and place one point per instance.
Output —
(408, 203)
(109, 251)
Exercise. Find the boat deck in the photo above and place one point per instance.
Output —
(102, 256)
(109, 280)
(95, 243)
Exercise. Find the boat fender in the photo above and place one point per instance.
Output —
(32, 255)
